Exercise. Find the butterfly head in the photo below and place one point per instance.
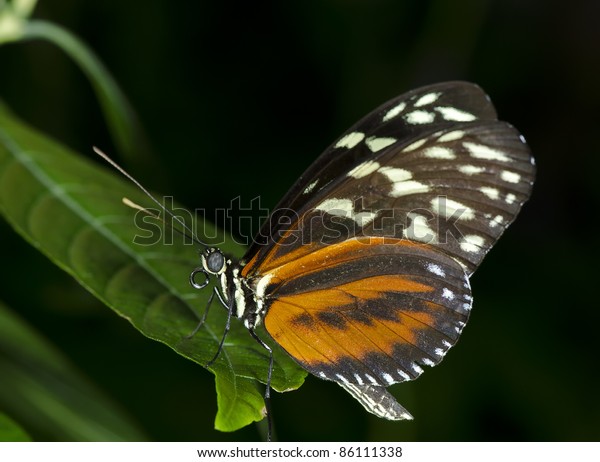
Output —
(213, 261)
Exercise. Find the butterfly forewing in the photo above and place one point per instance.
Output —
(456, 189)
(402, 119)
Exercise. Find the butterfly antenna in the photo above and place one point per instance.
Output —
(133, 205)
(145, 191)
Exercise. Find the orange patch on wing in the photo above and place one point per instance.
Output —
(269, 262)
(346, 294)
(308, 258)
(293, 321)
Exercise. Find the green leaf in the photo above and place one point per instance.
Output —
(48, 394)
(71, 210)
(11, 431)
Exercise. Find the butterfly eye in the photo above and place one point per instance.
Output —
(214, 261)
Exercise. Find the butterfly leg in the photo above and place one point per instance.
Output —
(204, 315)
(227, 326)
(268, 385)
(201, 286)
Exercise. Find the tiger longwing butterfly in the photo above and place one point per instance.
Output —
(361, 273)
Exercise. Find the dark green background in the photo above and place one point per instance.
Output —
(239, 98)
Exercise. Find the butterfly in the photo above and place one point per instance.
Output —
(361, 272)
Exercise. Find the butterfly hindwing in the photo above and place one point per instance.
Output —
(367, 311)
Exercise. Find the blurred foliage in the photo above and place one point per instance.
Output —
(238, 105)
(11, 431)
(49, 396)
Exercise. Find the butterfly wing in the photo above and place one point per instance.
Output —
(452, 174)
(365, 275)
(456, 189)
(368, 312)
(403, 119)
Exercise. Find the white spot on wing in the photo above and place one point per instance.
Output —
(377, 144)
(419, 230)
(472, 243)
(439, 152)
(359, 380)
(447, 293)
(371, 379)
(403, 374)
(310, 187)
(408, 187)
(492, 193)
(479, 151)
(364, 218)
(341, 378)
(453, 114)
(448, 207)
(435, 269)
(451, 136)
(396, 174)
(415, 145)
(471, 169)
(428, 362)
(498, 220)
(510, 198)
(402, 183)
(427, 99)
(350, 140)
(388, 378)
(345, 208)
(418, 369)
(337, 207)
(389, 115)
(364, 169)
(510, 177)
(419, 117)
